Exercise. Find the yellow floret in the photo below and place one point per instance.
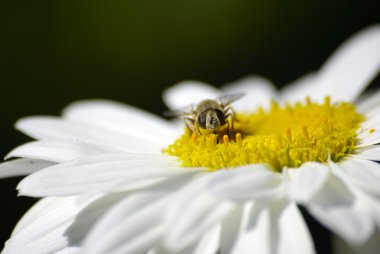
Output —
(282, 137)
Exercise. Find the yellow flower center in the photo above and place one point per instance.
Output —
(282, 137)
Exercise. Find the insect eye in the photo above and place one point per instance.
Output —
(202, 120)
(220, 115)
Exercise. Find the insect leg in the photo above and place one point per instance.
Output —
(190, 124)
(230, 113)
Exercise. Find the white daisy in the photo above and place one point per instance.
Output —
(109, 187)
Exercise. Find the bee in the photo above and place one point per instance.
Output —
(209, 116)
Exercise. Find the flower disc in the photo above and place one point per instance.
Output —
(282, 137)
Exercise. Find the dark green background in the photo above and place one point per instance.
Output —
(55, 52)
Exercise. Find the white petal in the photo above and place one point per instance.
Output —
(368, 101)
(20, 167)
(353, 66)
(93, 172)
(369, 204)
(210, 213)
(258, 92)
(245, 183)
(136, 224)
(194, 213)
(90, 215)
(301, 88)
(294, 236)
(367, 128)
(372, 119)
(306, 181)
(52, 129)
(363, 173)
(232, 225)
(42, 208)
(161, 250)
(368, 153)
(372, 246)
(255, 239)
(247, 230)
(369, 138)
(157, 198)
(45, 243)
(372, 116)
(334, 207)
(43, 230)
(58, 151)
(121, 118)
(279, 228)
(188, 92)
(365, 202)
(70, 250)
(345, 74)
(209, 244)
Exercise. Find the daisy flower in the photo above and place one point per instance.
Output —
(116, 179)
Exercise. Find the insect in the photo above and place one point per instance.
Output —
(209, 116)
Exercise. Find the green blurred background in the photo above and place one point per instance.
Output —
(56, 52)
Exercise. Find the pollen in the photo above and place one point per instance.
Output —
(283, 136)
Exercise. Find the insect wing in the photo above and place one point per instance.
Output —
(226, 100)
(186, 111)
